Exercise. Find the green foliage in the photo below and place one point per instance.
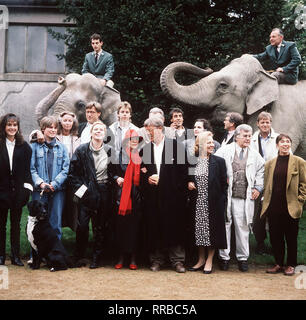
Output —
(144, 36)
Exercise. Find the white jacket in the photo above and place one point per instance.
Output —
(255, 167)
(270, 147)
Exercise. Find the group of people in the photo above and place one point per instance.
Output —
(144, 185)
(149, 185)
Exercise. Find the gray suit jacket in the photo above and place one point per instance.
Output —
(104, 68)
(288, 59)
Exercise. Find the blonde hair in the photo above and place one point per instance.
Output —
(97, 123)
(124, 104)
(74, 129)
(47, 122)
(200, 143)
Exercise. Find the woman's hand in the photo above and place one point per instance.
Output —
(191, 186)
(120, 182)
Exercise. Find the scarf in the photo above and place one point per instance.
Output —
(132, 175)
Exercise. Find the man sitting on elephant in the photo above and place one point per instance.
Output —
(283, 57)
(99, 62)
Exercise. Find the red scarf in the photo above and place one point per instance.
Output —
(131, 177)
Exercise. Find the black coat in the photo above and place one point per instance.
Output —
(165, 204)
(217, 199)
(127, 228)
(82, 171)
(12, 191)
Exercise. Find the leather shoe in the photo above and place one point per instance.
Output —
(17, 262)
(275, 269)
(289, 271)
(196, 269)
(224, 265)
(155, 267)
(133, 266)
(2, 260)
(207, 271)
(118, 266)
(95, 263)
(243, 266)
(179, 268)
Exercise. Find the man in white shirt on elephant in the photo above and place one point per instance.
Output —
(245, 172)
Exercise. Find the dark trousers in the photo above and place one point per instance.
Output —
(259, 224)
(99, 219)
(15, 216)
(283, 227)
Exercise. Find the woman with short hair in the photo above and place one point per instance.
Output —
(15, 182)
(90, 178)
(284, 196)
(209, 179)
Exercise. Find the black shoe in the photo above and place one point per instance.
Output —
(2, 260)
(224, 265)
(16, 261)
(243, 266)
(196, 269)
(95, 263)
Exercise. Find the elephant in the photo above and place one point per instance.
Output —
(243, 86)
(74, 92)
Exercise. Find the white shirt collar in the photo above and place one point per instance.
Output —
(10, 143)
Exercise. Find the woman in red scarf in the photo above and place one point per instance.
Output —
(128, 199)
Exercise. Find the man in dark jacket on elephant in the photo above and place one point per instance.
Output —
(283, 57)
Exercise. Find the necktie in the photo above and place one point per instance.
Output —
(241, 154)
(96, 58)
(276, 52)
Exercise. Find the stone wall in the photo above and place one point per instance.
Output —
(21, 98)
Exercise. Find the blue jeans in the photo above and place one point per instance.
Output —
(55, 201)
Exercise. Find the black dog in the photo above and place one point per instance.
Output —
(43, 239)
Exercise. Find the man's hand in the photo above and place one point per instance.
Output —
(255, 194)
(153, 180)
(191, 186)
(279, 70)
(40, 137)
(103, 82)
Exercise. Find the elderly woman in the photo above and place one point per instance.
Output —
(209, 180)
(89, 177)
(128, 199)
(284, 196)
(15, 182)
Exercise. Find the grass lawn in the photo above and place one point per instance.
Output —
(69, 242)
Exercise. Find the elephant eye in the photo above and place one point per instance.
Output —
(223, 85)
(80, 105)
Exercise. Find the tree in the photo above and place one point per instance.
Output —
(144, 36)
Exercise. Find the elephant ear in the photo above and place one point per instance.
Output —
(263, 92)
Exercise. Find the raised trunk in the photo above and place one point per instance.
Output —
(45, 104)
(183, 94)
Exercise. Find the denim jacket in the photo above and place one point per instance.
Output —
(39, 169)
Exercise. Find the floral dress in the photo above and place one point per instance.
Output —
(202, 234)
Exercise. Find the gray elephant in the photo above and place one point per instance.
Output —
(74, 92)
(243, 86)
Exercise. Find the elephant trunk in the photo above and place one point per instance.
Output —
(183, 94)
(45, 104)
